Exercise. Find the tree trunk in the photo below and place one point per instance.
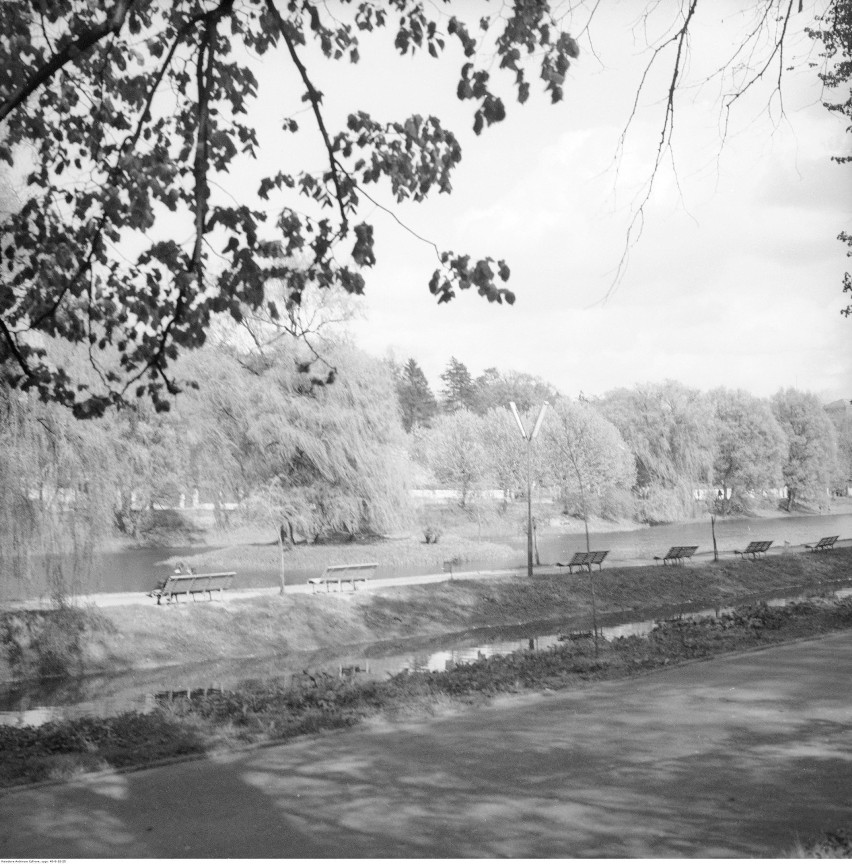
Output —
(594, 609)
(535, 544)
(281, 558)
(713, 531)
(585, 513)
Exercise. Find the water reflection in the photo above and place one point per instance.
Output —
(35, 704)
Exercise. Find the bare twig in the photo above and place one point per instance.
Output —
(634, 230)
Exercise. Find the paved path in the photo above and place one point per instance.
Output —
(734, 757)
(140, 598)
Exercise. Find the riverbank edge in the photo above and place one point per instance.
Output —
(460, 541)
(464, 525)
(123, 639)
(73, 748)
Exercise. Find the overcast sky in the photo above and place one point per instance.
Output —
(736, 280)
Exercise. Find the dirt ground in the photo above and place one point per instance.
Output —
(137, 637)
(744, 756)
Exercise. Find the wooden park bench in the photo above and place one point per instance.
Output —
(585, 559)
(757, 547)
(824, 545)
(340, 574)
(677, 555)
(192, 584)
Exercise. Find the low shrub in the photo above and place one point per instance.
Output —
(432, 534)
(50, 643)
(833, 844)
(30, 754)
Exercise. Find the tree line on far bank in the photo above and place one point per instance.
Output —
(314, 460)
(676, 440)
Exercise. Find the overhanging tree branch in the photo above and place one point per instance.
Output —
(113, 24)
(315, 98)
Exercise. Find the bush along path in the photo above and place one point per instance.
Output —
(274, 711)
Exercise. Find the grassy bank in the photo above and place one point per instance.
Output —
(409, 551)
(136, 637)
(273, 711)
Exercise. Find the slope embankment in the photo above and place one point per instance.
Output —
(89, 639)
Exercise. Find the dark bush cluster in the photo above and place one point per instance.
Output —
(49, 643)
(29, 753)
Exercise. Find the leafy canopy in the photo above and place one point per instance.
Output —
(750, 444)
(117, 114)
(811, 455)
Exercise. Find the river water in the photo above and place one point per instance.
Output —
(141, 569)
(36, 703)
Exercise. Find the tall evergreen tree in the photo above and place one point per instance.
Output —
(416, 398)
(459, 388)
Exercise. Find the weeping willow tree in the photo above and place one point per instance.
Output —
(588, 460)
(316, 460)
(669, 429)
(55, 502)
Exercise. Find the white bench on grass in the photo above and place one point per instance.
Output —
(341, 574)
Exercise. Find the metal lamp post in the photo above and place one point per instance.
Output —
(529, 439)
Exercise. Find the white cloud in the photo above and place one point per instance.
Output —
(735, 282)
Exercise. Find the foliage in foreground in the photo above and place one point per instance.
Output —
(51, 643)
(833, 844)
(276, 710)
(77, 104)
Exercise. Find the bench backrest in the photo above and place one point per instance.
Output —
(757, 546)
(688, 551)
(197, 582)
(828, 541)
(597, 557)
(579, 558)
(337, 569)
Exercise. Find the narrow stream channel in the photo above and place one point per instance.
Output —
(36, 703)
